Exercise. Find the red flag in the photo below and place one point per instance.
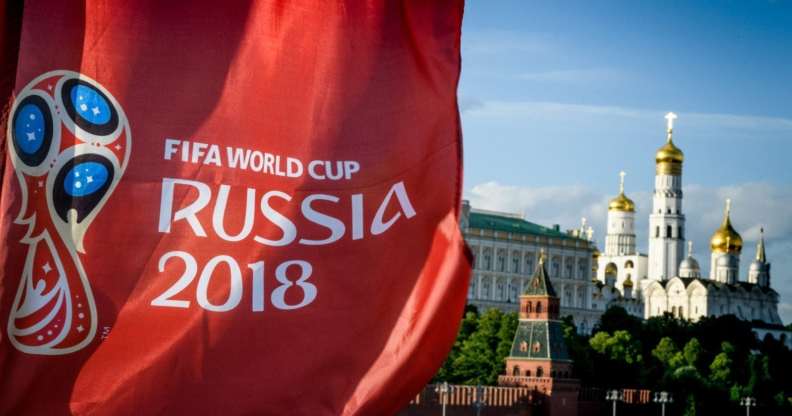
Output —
(10, 26)
(231, 207)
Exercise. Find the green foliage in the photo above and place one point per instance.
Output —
(616, 319)
(483, 342)
(692, 352)
(708, 365)
(665, 350)
(721, 367)
(619, 347)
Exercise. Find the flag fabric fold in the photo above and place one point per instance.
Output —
(245, 208)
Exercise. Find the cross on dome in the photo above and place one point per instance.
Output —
(670, 117)
(622, 174)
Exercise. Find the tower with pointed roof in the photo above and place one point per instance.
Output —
(759, 271)
(667, 222)
(539, 358)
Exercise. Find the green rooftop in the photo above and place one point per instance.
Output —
(540, 285)
(540, 340)
(514, 225)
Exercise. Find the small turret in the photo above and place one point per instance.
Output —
(690, 266)
(759, 271)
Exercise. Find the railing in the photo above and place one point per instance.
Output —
(536, 381)
(469, 395)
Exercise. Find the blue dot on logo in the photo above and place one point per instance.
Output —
(29, 128)
(85, 178)
(90, 104)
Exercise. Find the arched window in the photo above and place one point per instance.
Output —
(568, 268)
(540, 372)
(657, 232)
(514, 288)
(527, 373)
(529, 263)
(501, 261)
(556, 267)
(538, 307)
(680, 232)
(516, 371)
(487, 264)
(668, 231)
(530, 307)
(501, 289)
(516, 262)
(629, 264)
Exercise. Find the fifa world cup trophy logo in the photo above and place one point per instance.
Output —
(69, 143)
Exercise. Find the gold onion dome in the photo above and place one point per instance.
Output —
(669, 153)
(628, 282)
(726, 239)
(621, 202)
(669, 158)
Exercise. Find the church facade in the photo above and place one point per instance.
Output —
(666, 281)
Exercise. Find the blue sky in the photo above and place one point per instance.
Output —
(558, 96)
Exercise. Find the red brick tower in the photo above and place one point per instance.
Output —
(539, 358)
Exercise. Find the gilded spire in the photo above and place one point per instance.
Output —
(726, 239)
(760, 248)
(541, 257)
(690, 248)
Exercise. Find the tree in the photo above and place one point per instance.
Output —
(466, 329)
(615, 319)
(508, 326)
(477, 357)
(665, 350)
(720, 369)
(618, 347)
(692, 352)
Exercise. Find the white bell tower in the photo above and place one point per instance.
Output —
(667, 223)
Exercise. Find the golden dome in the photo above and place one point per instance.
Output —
(726, 239)
(621, 202)
(628, 282)
(669, 158)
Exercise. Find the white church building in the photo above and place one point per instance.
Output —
(667, 281)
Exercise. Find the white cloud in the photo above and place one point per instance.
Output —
(754, 205)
